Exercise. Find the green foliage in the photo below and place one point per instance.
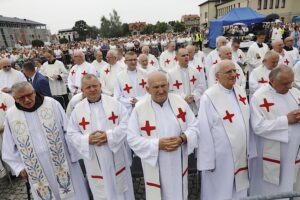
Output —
(63, 40)
(81, 28)
(111, 27)
(161, 27)
(178, 26)
(37, 43)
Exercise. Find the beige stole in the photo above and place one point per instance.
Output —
(37, 177)
(271, 150)
(147, 124)
(238, 140)
(93, 167)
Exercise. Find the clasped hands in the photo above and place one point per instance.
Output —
(171, 143)
(98, 138)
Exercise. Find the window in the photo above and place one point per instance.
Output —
(277, 4)
(283, 4)
(271, 4)
(259, 4)
(205, 15)
(239, 5)
(265, 4)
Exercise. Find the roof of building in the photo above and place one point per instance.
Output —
(190, 17)
(20, 21)
(207, 1)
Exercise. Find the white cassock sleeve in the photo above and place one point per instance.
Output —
(117, 135)
(206, 153)
(145, 148)
(251, 56)
(277, 129)
(118, 94)
(71, 83)
(199, 88)
(10, 153)
(21, 76)
(253, 83)
(191, 132)
(78, 140)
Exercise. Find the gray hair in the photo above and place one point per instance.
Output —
(17, 87)
(88, 77)
(277, 71)
(269, 54)
(219, 38)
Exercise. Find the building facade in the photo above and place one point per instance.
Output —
(286, 9)
(136, 27)
(191, 22)
(21, 31)
(69, 34)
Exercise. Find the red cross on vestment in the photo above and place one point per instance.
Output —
(152, 62)
(242, 99)
(167, 61)
(84, 73)
(177, 84)
(148, 128)
(262, 80)
(240, 57)
(228, 116)
(216, 61)
(3, 107)
(142, 83)
(113, 117)
(266, 105)
(193, 80)
(199, 68)
(127, 88)
(106, 71)
(181, 114)
(73, 72)
(286, 61)
(84, 123)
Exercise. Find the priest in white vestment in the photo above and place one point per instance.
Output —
(260, 75)
(131, 83)
(257, 51)
(80, 69)
(108, 75)
(213, 57)
(225, 53)
(99, 63)
(162, 131)
(34, 146)
(9, 76)
(186, 81)
(297, 75)
(73, 102)
(152, 60)
(290, 49)
(6, 101)
(144, 64)
(167, 59)
(56, 73)
(275, 117)
(196, 61)
(97, 129)
(223, 143)
(284, 57)
(237, 54)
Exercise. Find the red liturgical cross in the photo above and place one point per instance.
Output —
(266, 105)
(148, 128)
(84, 123)
(113, 117)
(228, 116)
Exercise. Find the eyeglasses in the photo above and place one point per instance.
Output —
(22, 98)
(230, 71)
(6, 66)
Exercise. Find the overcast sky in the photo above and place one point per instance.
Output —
(62, 14)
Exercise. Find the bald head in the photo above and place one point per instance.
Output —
(5, 64)
(221, 41)
(191, 50)
(277, 45)
(282, 78)
(145, 50)
(112, 57)
(225, 52)
(143, 60)
(156, 76)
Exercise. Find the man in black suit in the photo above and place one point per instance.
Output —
(38, 81)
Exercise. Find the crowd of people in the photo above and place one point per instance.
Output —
(237, 112)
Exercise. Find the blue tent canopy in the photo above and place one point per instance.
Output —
(296, 19)
(244, 15)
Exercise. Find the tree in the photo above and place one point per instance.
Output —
(148, 29)
(37, 43)
(178, 26)
(125, 29)
(111, 27)
(82, 29)
(63, 40)
(93, 32)
(161, 27)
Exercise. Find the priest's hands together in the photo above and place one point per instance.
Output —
(189, 98)
(169, 143)
(293, 116)
(23, 174)
(98, 138)
(133, 101)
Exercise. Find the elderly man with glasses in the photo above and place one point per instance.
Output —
(9, 76)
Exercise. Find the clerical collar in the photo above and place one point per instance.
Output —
(39, 99)
(288, 48)
(163, 104)
(225, 89)
(99, 100)
(260, 45)
(51, 62)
